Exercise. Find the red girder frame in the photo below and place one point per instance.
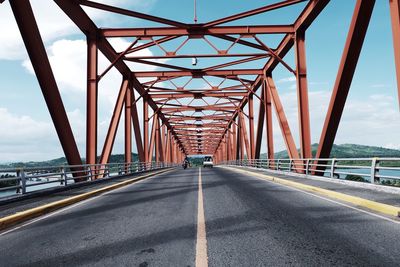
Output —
(222, 128)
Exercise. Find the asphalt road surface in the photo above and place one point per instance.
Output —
(248, 222)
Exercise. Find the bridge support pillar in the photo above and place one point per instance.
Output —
(250, 104)
(260, 126)
(302, 95)
(146, 128)
(92, 95)
(128, 126)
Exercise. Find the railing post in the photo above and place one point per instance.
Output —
(23, 181)
(290, 165)
(64, 180)
(307, 166)
(374, 170)
(89, 170)
(277, 166)
(119, 170)
(333, 166)
(106, 170)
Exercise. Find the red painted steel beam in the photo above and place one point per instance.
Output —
(157, 141)
(131, 13)
(268, 122)
(355, 39)
(136, 128)
(128, 126)
(37, 53)
(283, 123)
(251, 125)
(91, 100)
(196, 95)
(236, 62)
(146, 128)
(112, 130)
(302, 95)
(253, 12)
(196, 30)
(245, 136)
(152, 138)
(395, 18)
(131, 58)
(198, 73)
(260, 126)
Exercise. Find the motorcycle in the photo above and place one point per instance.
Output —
(185, 164)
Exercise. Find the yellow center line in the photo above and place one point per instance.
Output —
(201, 244)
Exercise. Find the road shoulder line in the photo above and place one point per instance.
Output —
(358, 201)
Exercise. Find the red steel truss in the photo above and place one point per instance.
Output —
(179, 119)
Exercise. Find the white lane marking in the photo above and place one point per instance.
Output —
(201, 242)
(73, 206)
(330, 200)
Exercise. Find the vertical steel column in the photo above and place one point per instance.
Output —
(283, 123)
(229, 146)
(146, 128)
(235, 153)
(251, 124)
(240, 145)
(157, 140)
(244, 135)
(351, 53)
(260, 125)
(112, 130)
(152, 137)
(302, 95)
(136, 128)
(163, 143)
(395, 17)
(37, 53)
(128, 126)
(268, 121)
(91, 100)
(167, 147)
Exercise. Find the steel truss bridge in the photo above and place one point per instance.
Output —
(250, 211)
(216, 120)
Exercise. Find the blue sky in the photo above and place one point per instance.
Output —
(371, 115)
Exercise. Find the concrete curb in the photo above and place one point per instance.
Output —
(23, 216)
(360, 202)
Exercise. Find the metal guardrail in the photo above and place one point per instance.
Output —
(15, 181)
(384, 171)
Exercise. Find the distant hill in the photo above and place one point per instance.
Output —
(338, 151)
(118, 158)
(349, 151)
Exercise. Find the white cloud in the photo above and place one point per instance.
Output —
(52, 22)
(24, 138)
(290, 79)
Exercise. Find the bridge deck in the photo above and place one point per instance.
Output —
(248, 222)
